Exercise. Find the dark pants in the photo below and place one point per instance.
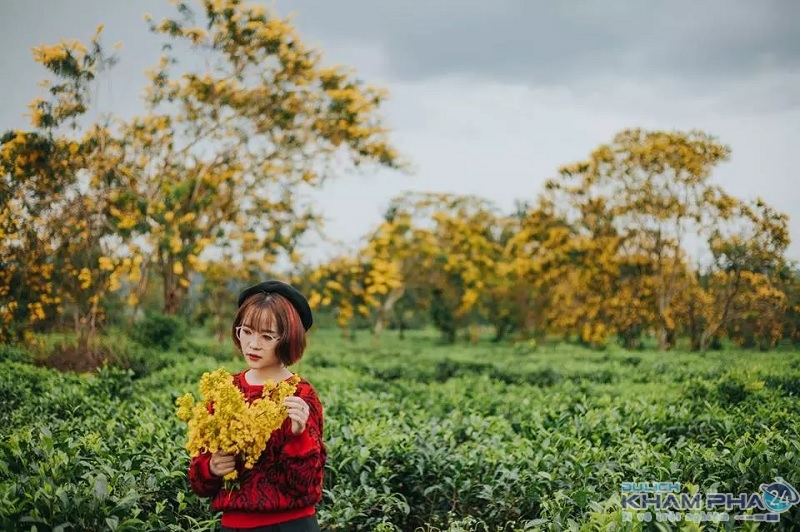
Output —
(304, 524)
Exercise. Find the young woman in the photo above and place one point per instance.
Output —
(281, 491)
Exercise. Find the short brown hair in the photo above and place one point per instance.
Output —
(273, 310)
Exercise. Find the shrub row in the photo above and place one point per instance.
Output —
(464, 449)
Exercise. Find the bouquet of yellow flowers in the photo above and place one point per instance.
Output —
(235, 426)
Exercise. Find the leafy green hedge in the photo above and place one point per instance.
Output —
(442, 439)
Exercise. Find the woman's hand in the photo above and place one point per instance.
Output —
(222, 463)
(298, 413)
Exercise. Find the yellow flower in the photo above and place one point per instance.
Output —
(236, 426)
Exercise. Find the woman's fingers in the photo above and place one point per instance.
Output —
(298, 413)
(295, 402)
(296, 405)
(225, 460)
(222, 463)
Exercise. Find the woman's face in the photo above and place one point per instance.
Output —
(258, 344)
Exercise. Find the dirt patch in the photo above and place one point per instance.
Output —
(78, 357)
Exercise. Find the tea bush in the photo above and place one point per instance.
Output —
(458, 438)
(160, 330)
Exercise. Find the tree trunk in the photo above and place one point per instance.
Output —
(502, 327)
(173, 292)
(711, 329)
(695, 337)
(666, 339)
(383, 313)
(141, 287)
(710, 332)
(173, 298)
(694, 326)
(704, 338)
(630, 337)
(499, 332)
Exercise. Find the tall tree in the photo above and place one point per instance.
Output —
(746, 254)
(656, 187)
(447, 244)
(508, 300)
(348, 285)
(571, 260)
(395, 247)
(223, 156)
(532, 266)
(439, 249)
(58, 251)
(758, 312)
(788, 280)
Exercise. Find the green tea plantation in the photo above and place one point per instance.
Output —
(424, 437)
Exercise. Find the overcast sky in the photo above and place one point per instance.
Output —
(491, 97)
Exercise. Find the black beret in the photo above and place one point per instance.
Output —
(297, 299)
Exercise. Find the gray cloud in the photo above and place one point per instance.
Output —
(565, 42)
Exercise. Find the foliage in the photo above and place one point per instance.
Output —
(445, 244)
(600, 253)
(12, 353)
(638, 198)
(218, 163)
(223, 156)
(475, 437)
(205, 191)
(55, 252)
(159, 330)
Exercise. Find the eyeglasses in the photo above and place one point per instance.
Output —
(246, 333)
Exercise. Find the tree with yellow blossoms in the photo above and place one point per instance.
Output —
(223, 156)
(571, 266)
(215, 306)
(535, 260)
(757, 312)
(788, 281)
(446, 244)
(508, 301)
(344, 284)
(747, 258)
(58, 251)
(655, 188)
(396, 248)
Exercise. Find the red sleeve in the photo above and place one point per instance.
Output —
(304, 455)
(202, 481)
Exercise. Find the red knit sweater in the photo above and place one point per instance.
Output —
(285, 483)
